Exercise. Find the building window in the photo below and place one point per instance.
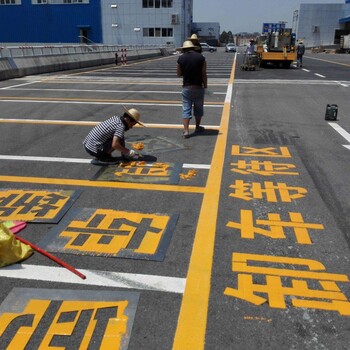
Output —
(167, 3)
(158, 32)
(10, 2)
(157, 3)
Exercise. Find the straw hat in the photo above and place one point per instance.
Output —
(133, 114)
(187, 45)
(194, 37)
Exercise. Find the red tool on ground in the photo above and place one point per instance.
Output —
(18, 225)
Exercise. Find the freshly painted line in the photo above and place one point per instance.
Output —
(319, 75)
(92, 123)
(95, 278)
(101, 184)
(341, 131)
(192, 322)
(81, 161)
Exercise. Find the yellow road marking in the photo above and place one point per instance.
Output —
(106, 184)
(191, 328)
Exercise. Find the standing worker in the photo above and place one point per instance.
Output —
(192, 66)
(300, 53)
(250, 48)
(108, 136)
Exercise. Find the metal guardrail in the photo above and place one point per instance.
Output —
(50, 50)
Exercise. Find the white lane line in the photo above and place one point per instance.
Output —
(342, 132)
(95, 278)
(81, 161)
(305, 70)
(319, 75)
(342, 84)
(14, 86)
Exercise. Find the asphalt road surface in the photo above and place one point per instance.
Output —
(237, 238)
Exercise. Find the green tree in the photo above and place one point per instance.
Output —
(226, 37)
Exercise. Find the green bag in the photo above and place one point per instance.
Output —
(11, 249)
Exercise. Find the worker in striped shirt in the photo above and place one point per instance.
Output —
(108, 136)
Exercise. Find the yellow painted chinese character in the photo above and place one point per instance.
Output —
(271, 152)
(110, 232)
(300, 228)
(327, 296)
(248, 191)
(158, 169)
(265, 168)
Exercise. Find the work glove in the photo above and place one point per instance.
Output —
(134, 155)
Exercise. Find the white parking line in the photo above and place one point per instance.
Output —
(342, 132)
(319, 75)
(95, 278)
(81, 161)
(103, 91)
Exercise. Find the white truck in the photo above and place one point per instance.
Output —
(345, 43)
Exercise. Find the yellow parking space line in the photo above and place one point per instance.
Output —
(191, 327)
(105, 184)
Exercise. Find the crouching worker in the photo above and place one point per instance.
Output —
(108, 136)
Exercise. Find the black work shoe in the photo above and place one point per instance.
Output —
(108, 160)
(199, 130)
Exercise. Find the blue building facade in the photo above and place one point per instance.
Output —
(47, 21)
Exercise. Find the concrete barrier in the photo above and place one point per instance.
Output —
(22, 66)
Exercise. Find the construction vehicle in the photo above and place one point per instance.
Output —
(345, 43)
(277, 48)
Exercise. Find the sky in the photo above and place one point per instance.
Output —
(249, 15)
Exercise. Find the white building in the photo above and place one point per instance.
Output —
(146, 22)
(321, 24)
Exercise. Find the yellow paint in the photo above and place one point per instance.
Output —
(191, 328)
(265, 168)
(120, 237)
(274, 292)
(26, 205)
(271, 152)
(248, 191)
(36, 308)
(155, 170)
(115, 330)
(102, 184)
(300, 228)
